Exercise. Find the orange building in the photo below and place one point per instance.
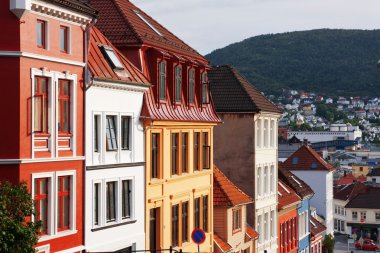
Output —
(231, 230)
(288, 202)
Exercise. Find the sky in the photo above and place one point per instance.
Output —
(207, 25)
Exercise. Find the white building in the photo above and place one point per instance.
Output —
(114, 190)
(309, 166)
(337, 131)
(374, 175)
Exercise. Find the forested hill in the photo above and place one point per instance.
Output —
(326, 61)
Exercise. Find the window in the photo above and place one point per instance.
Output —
(175, 154)
(175, 226)
(266, 130)
(205, 213)
(126, 199)
(63, 203)
(185, 222)
(273, 224)
(111, 134)
(111, 57)
(153, 226)
(204, 88)
(41, 202)
(41, 34)
(272, 179)
(206, 152)
(162, 80)
(111, 201)
(197, 216)
(354, 215)
(295, 160)
(314, 165)
(258, 133)
(40, 98)
(266, 185)
(363, 215)
(64, 39)
(272, 133)
(97, 206)
(184, 152)
(259, 228)
(259, 183)
(266, 226)
(196, 150)
(147, 23)
(377, 215)
(155, 155)
(64, 106)
(191, 85)
(178, 81)
(96, 133)
(236, 219)
(125, 132)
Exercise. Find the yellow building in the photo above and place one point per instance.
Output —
(360, 170)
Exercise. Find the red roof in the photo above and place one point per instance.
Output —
(316, 227)
(222, 245)
(305, 158)
(227, 194)
(251, 233)
(124, 24)
(349, 191)
(286, 196)
(349, 179)
(101, 69)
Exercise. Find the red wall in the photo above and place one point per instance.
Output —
(10, 29)
(283, 218)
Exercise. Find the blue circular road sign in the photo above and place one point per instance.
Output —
(198, 236)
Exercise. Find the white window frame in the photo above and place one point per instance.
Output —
(53, 203)
(259, 133)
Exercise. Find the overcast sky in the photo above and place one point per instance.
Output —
(207, 25)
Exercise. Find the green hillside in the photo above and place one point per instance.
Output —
(329, 62)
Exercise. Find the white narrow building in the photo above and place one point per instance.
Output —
(309, 166)
(114, 175)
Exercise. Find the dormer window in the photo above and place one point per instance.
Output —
(295, 160)
(111, 57)
(204, 88)
(162, 80)
(178, 81)
(147, 23)
(314, 165)
(191, 85)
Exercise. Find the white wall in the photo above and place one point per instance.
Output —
(319, 136)
(340, 216)
(322, 184)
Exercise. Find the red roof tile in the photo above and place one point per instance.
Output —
(222, 245)
(286, 196)
(349, 191)
(305, 158)
(298, 185)
(316, 227)
(349, 179)
(226, 193)
(251, 233)
(100, 68)
(119, 20)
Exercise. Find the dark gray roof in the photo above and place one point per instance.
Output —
(298, 185)
(231, 92)
(374, 173)
(369, 199)
(76, 5)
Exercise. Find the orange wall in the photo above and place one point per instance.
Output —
(283, 216)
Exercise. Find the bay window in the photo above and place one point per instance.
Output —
(63, 203)
(178, 83)
(191, 85)
(41, 194)
(41, 92)
(111, 201)
(162, 80)
(111, 134)
(64, 106)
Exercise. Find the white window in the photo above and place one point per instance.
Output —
(272, 179)
(112, 201)
(273, 224)
(259, 228)
(267, 226)
(266, 131)
(258, 133)
(265, 183)
(111, 132)
(54, 195)
(272, 133)
(97, 133)
(112, 58)
(259, 183)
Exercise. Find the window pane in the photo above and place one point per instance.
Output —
(196, 151)
(111, 201)
(175, 226)
(111, 133)
(126, 198)
(96, 203)
(196, 213)
(205, 213)
(184, 152)
(125, 132)
(162, 80)
(96, 133)
(113, 58)
(185, 222)
(191, 86)
(40, 33)
(178, 79)
(63, 39)
(155, 155)
(174, 154)
(43, 214)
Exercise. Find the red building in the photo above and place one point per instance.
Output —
(42, 57)
(288, 202)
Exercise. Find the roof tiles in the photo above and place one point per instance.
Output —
(298, 185)
(316, 227)
(369, 199)
(227, 194)
(231, 92)
(349, 191)
(286, 196)
(221, 244)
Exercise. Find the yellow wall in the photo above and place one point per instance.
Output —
(169, 190)
(360, 170)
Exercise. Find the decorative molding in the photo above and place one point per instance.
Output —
(113, 166)
(114, 225)
(41, 160)
(119, 85)
(40, 57)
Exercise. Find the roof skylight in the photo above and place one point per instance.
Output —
(112, 58)
(283, 187)
(147, 22)
(296, 181)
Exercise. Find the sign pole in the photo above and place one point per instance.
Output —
(199, 249)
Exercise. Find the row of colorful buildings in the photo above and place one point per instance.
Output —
(109, 119)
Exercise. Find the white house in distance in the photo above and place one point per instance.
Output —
(374, 175)
(114, 191)
(309, 166)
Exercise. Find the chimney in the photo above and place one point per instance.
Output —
(305, 142)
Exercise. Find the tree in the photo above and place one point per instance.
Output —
(329, 243)
(17, 234)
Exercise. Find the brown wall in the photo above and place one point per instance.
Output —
(234, 153)
(220, 222)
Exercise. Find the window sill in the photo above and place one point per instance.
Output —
(65, 135)
(114, 224)
(236, 231)
(42, 134)
(156, 181)
(57, 235)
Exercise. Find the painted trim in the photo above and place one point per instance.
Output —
(113, 166)
(40, 160)
(72, 250)
(40, 57)
(113, 225)
(120, 85)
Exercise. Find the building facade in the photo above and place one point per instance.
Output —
(246, 147)
(115, 171)
(317, 234)
(231, 231)
(178, 119)
(308, 165)
(44, 58)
